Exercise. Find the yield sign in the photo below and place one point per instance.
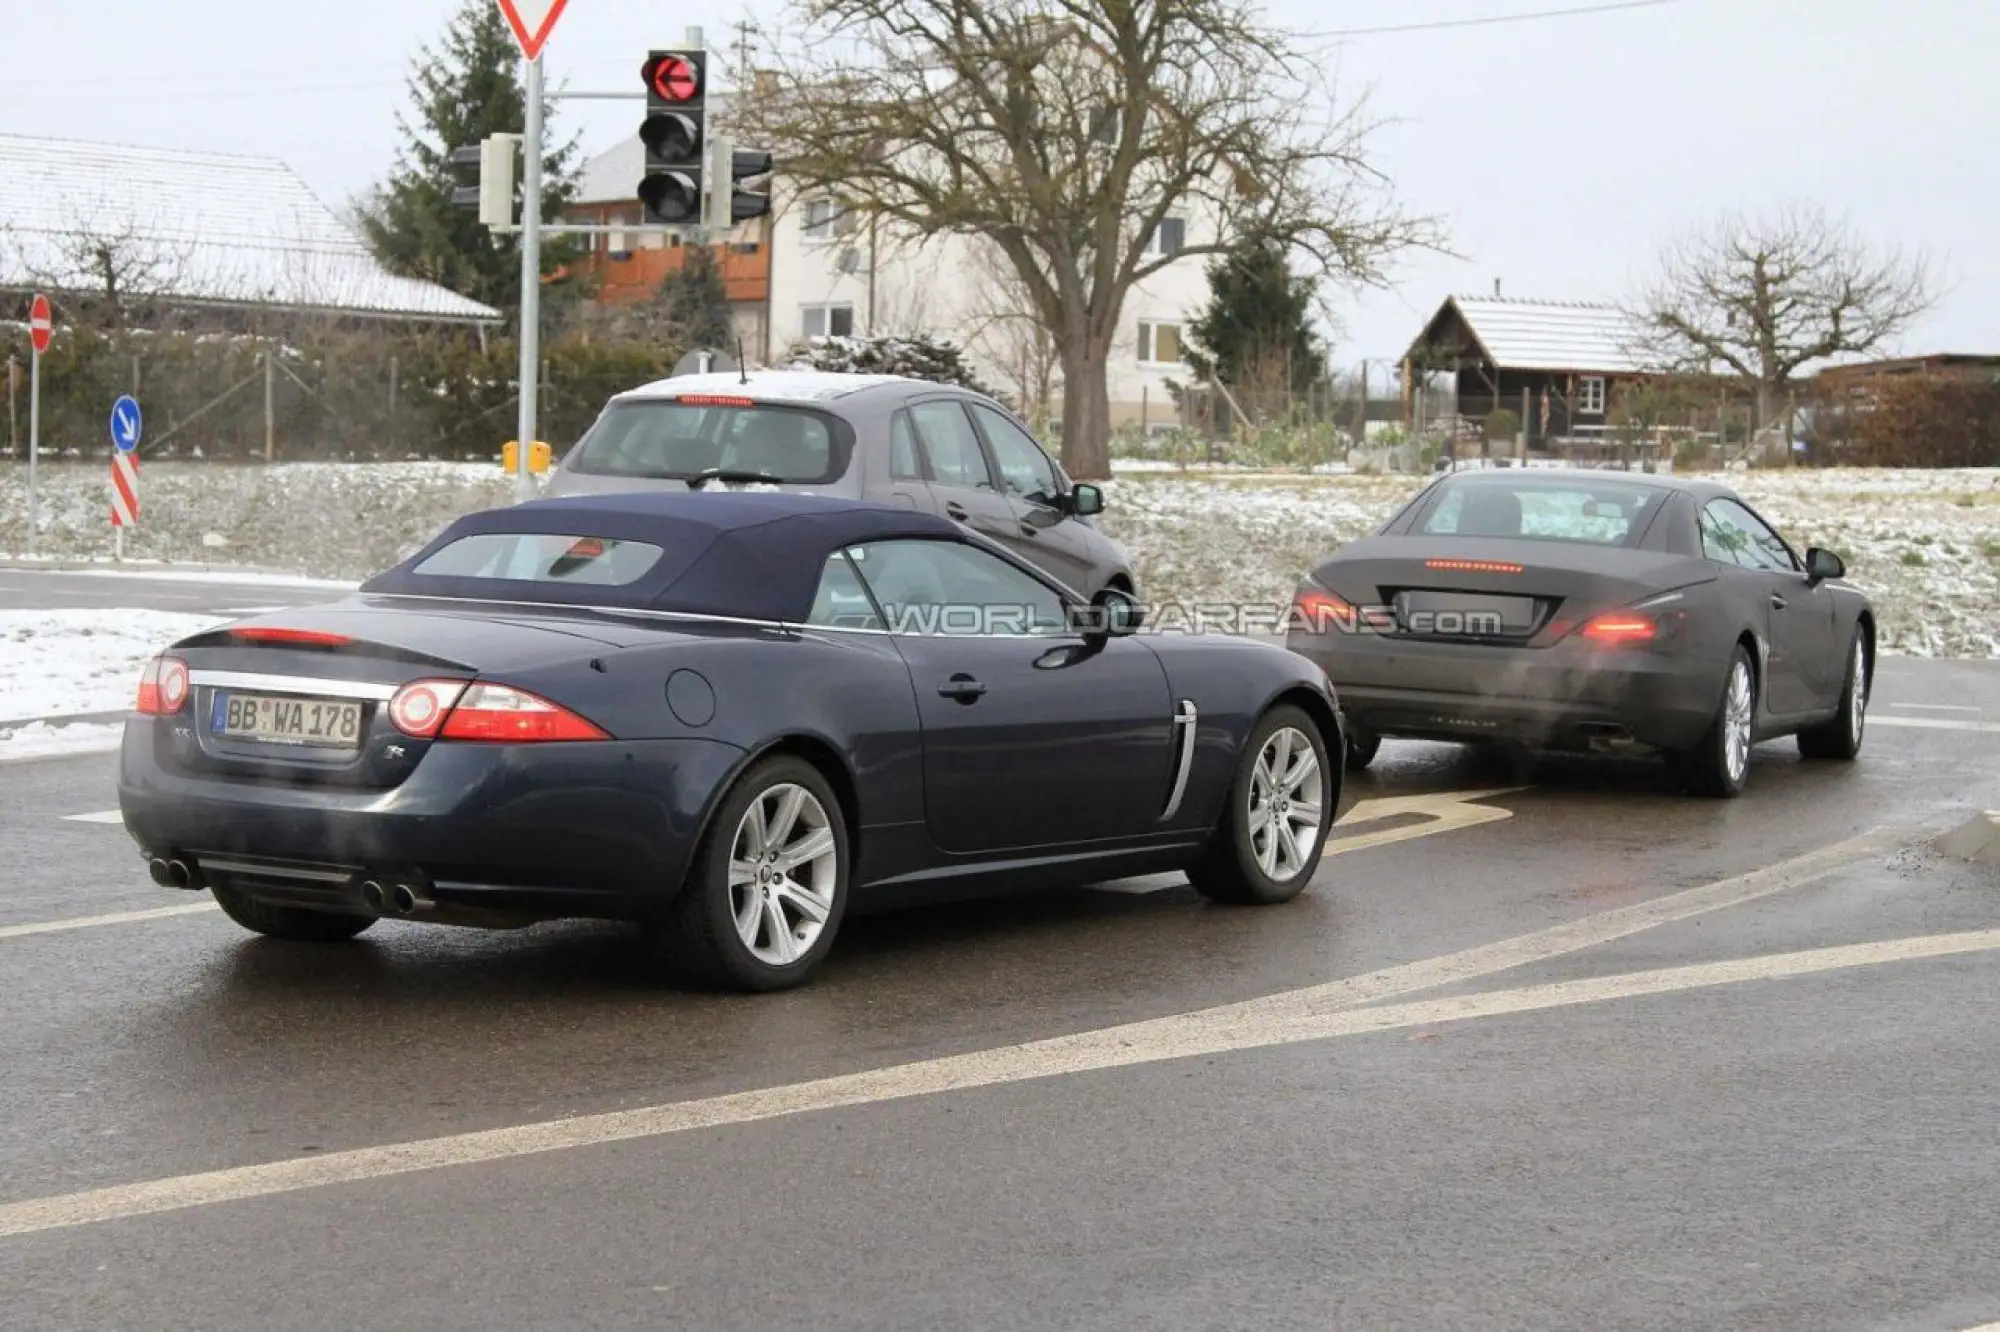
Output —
(41, 323)
(532, 21)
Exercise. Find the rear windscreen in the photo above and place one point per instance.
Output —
(1606, 513)
(542, 557)
(671, 440)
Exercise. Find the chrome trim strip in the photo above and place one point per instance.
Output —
(1184, 722)
(1660, 600)
(294, 684)
(271, 871)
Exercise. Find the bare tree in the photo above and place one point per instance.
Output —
(1008, 332)
(109, 274)
(1761, 298)
(1066, 131)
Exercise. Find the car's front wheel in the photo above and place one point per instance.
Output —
(1275, 821)
(1840, 737)
(769, 886)
(294, 924)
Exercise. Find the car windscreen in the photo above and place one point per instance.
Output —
(680, 440)
(543, 557)
(1599, 513)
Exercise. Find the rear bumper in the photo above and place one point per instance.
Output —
(1569, 696)
(585, 829)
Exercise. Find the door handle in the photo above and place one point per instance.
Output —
(954, 509)
(963, 688)
(1028, 529)
(1777, 602)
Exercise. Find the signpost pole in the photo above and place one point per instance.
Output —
(34, 445)
(531, 279)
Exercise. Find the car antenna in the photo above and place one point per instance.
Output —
(741, 369)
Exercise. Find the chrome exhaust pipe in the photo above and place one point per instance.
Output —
(373, 897)
(169, 873)
(410, 898)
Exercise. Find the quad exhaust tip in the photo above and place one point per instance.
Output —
(396, 899)
(373, 897)
(171, 873)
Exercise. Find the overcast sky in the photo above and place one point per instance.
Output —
(1560, 148)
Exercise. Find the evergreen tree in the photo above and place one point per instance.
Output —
(1258, 319)
(469, 88)
(693, 303)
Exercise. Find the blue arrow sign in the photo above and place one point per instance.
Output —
(126, 423)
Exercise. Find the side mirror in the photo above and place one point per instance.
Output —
(1085, 500)
(1822, 565)
(1116, 616)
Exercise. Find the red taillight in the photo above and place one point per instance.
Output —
(163, 688)
(1319, 608)
(419, 707)
(1621, 627)
(294, 637)
(1474, 566)
(488, 712)
(715, 400)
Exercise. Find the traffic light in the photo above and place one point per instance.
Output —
(675, 135)
(728, 206)
(485, 175)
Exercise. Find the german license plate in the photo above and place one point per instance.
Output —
(277, 719)
(1456, 613)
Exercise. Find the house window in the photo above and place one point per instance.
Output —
(826, 219)
(1590, 396)
(1169, 237)
(1159, 344)
(827, 321)
(1104, 125)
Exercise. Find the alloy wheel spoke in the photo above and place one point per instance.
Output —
(742, 872)
(749, 913)
(753, 832)
(779, 830)
(815, 907)
(811, 847)
(779, 929)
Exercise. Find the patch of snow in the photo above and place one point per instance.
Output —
(39, 740)
(58, 663)
(220, 574)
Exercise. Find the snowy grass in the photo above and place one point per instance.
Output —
(40, 740)
(56, 663)
(1926, 544)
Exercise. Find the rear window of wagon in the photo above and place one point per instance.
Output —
(676, 439)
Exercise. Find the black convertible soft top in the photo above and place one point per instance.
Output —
(747, 554)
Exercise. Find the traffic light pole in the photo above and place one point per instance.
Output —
(531, 282)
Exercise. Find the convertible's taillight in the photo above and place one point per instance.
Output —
(419, 707)
(163, 688)
(490, 712)
(1621, 629)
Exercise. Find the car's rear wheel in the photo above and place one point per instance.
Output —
(1361, 750)
(1840, 737)
(1720, 764)
(1278, 812)
(294, 924)
(769, 885)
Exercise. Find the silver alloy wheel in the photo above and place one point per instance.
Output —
(1286, 788)
(1736, 722)
(1857, 706)
(782, 874)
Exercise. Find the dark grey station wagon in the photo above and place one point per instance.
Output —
(887, 438)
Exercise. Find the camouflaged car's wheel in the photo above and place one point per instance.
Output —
(1361, 750)
(1719, 765)
(1840, 738)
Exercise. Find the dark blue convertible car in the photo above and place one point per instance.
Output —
(720, 715)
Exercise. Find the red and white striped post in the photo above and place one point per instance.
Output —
(124, 497)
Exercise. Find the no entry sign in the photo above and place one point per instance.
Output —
(532, 22)
(41, 323)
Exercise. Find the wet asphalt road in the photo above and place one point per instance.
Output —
(1813, 1150)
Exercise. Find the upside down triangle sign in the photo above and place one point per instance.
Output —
(532, 21)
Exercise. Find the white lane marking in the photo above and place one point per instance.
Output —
(1933, 723)
(1934, 707)
(115, 918)
(1443, 811)
(1087, 1052)
(101, 816)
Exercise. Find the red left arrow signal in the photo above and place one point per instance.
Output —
(674, 79)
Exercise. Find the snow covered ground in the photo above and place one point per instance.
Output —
(1925, 543)
(58, 663)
